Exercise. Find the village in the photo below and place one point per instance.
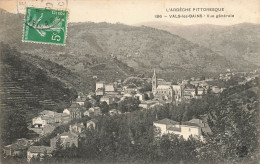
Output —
(147, 93)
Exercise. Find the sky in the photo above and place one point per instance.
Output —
(139, 11)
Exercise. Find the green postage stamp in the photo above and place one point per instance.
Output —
(47, 26)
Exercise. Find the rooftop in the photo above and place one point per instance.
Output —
(61, 115)
(197, 121)
(166, 121)
(70, 135)
(47, 112)
(190, 124)
(40, 149)
(94, 108)
(176, 86)
(15, 146)
(74, 105)
(92, 120)
(46, 117)
(164, 87)
(64, 134)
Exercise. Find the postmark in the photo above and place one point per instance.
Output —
(48, 26)
(48, 4)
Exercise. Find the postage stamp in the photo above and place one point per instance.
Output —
(48, 26)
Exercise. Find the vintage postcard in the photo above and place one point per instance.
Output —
(129, 81)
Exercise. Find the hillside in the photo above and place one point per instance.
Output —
(77, 59)
(92, 47)
(27, 88)
(145, 48)
(237, 42)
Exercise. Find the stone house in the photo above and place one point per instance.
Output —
(67, 139)
(41, 151)
(18, 148)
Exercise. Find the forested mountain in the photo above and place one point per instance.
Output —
(238, 42)
(29, 85)
(92, 47)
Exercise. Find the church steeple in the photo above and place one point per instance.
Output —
(154, 73)
(154, 82)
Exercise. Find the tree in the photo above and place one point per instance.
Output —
(235, 128)
(14, 126)
(87, 104)
(104, 107)
(129, 105)
(146, 97)
(58, 152)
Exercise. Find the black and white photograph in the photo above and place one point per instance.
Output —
(129, 81)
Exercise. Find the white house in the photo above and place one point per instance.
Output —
(149, 104)
(192, 128)
(38, 121)
(201, 91)
(67, 111)
(127, 95)
(81, 100)
(109, 88)
(106, 99)
(95, 110)
(100, 85)
(88, 113)
(164, 124)
(215, 89)
(139, 96)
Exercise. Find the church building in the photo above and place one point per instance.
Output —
(163, 90)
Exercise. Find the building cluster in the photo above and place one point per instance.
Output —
(63, 140)
(18, 148)
(24, 147)
(76, 111)
(226, 76)
(177, 93)
(115, 92)
(47, 120)
(161, 92)
(251, 76)
(193, 128)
